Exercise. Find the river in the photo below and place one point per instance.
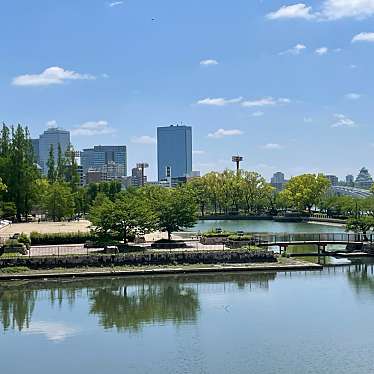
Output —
(263, 323)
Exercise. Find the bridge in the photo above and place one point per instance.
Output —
(351, 191)
(321, 240)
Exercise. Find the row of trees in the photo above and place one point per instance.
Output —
(23, 190)
(249, 192)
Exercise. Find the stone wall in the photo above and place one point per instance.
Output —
(138, 259)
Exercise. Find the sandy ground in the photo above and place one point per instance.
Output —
(45, 227)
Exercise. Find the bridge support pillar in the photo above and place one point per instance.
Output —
(321, 248)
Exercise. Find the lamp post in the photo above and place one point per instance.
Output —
(237, 160)
(142, 166)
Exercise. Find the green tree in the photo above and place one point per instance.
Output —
(18, 169)
(200, 191)
(175, 207)
(58, 201)
(129, 215)
(61, 164)
(305, 191)
(71, 169)
(51, 165)
(360, 225)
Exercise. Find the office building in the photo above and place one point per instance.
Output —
(278, 181)
(364, 179)
(174, 152)
(51, 137)
(334, 180)
(105, 156)
(137, 176)
(350, 180)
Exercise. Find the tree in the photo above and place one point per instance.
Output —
(61, 164)
(129, 215)
(199, 189)
(58, 201)
(51, 165)
(305, 191)
(175, 207)
(360, 225)
(71, 169)
(18, 169)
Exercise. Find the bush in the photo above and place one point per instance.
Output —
(24, 239)
(60, 238)
(240, 238)
(213, 234)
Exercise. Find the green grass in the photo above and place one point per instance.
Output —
(14, 270)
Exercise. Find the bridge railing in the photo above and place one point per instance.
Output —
(312, 237)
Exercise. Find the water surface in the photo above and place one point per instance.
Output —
(301, 322)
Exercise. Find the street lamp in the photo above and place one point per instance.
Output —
(142, 166)
(237, 160)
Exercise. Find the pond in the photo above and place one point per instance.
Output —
(300, 322)
(266, 226)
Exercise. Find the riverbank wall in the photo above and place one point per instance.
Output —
(141, 259)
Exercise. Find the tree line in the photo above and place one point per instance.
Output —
(58, 195)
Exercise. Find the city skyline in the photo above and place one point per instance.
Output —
(277, 83)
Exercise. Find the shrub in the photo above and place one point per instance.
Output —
(213, 234)
(60, 238)
(24, 239)
(240, 238)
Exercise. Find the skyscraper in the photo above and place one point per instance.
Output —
(54, 137)
(102, 155)
(174, 151)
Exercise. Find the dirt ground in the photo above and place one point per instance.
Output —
(46, 227)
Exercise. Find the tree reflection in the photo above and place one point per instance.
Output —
(124, 303)
(361, 278)
(129, 308)
(16, 307)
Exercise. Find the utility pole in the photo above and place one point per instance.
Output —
(142, 166)
(237, 160)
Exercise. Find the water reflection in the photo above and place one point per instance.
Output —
(361, 278)
(124, 304)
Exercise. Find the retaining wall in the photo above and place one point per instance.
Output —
(138, 259)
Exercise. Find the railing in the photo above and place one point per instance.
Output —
(312, 237)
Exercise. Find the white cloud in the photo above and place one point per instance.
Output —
(321, 51)
(330, 10)
(52, 124)
(266, 101)
(337, 9)
(197, 152)
(343, 121)
(56, 332)
(208, 62)
(308, 119)
(292, 11)
(221, 133)
(364, 37)
(272, 146)
(144, 139)
(353, 96)
(219, 101)
(258, 114)
(296, 50)
(52, 75)
(115, 3)
(92, 128)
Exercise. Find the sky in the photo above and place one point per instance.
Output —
(287, 85)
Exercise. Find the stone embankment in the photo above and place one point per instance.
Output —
(141, 259)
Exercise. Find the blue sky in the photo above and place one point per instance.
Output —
(287, 85)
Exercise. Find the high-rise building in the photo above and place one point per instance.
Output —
(99, 156)
(51, 137)
(278, 181)
(174, 151)
(334, 180)
(350, 180)
(364, 179)
(137, 177)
